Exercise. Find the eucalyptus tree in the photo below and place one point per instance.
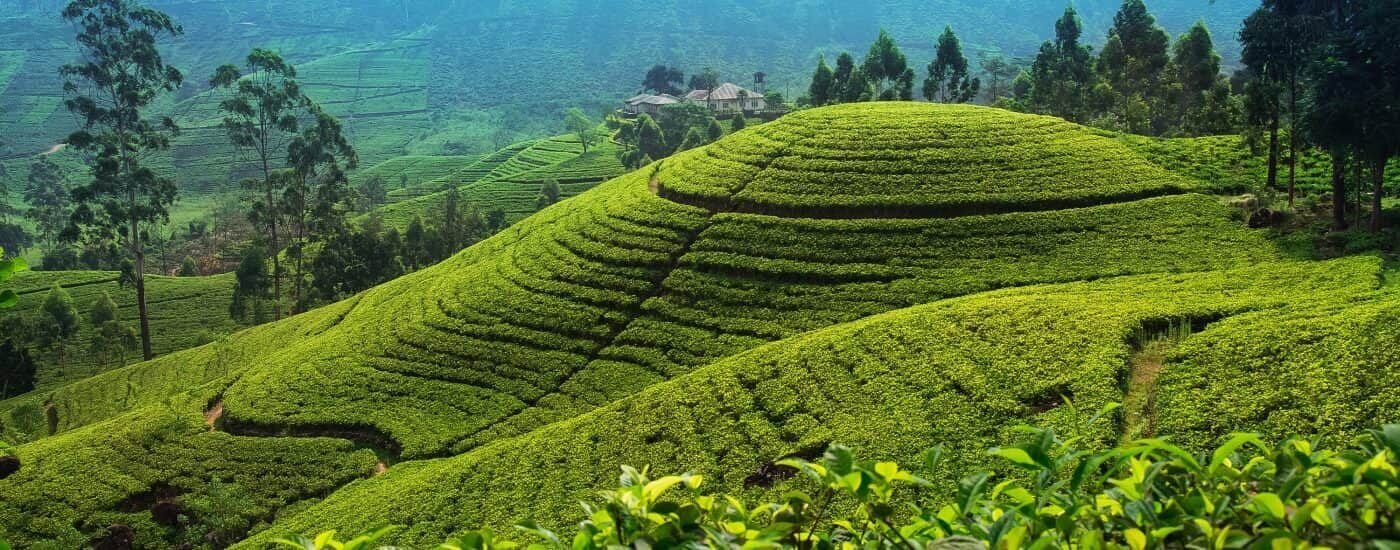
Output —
(118, 75)
(887, 70)
(948, 77)
(316, 187)
(262, 116)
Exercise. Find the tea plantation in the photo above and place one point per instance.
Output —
(185, 312)
(508, 180)
(886, 276)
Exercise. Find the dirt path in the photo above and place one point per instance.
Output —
(56, 148)
(380, 468)
(1144, 367)
(212, 415)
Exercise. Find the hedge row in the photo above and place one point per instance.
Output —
(960, 373)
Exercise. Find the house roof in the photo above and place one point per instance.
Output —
(647, 99)
(729, 90)
(698, 95)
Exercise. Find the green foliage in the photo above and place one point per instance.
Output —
(887, 71)
(47, 197)
(582, 128)
(8, 268)
(948, 79)
(1147, 494)
(944, 161)
(960, 373)
(181, 308)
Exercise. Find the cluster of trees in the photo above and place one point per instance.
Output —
(1329, 70)
(676, 128)
(54, 328)
(1140, 82)
(885, 75)
(361, 256)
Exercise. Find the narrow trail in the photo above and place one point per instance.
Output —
(1144, 367)
(211, 416)
(56, 148)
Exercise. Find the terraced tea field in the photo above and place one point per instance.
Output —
(509, 179)
(882, 275)
(185, 312)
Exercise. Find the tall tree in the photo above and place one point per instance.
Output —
(1001, 74)
(315, 196)
(7, 209)
(372, 192)
(250, 286)
(664, 80)
(1206, 105)
(885, 69)
(60, 322)
(948, 78)
(848, 84)
(713, 131)
(1062, 74)
(820, 92)
(110, 338)
(1278, 41)
(47, 197)
(581, 127)
(706, 79)
(651, 141)
(261, 116)
(1133, 64)
(120, 74)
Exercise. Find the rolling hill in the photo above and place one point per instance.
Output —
(884, 275)
(452, 78)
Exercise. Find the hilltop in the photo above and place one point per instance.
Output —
(885, 275)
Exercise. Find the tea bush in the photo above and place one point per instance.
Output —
(960, 372)
(1146, 494)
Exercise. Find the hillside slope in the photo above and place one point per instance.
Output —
(652, 275)
(961, 373)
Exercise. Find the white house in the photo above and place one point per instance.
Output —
(729, 98)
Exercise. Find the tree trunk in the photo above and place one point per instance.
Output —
(1273, 153)
(1356, 179)
(140, 276)
(275, 251)
(1339, 190)
(1293, 137)
(1377, 193)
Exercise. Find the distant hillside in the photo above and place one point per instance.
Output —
(435, 78)
(666, 316)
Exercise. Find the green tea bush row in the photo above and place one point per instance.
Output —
(160, 472)
(960, 373)
(1145, 494)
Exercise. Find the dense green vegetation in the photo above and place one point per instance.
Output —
(508, 180)
(185, 312)
(960, 372)
(1144, 494)
(419, 312)
(552, 327)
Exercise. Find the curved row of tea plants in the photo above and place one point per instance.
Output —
(1146, 494)
(959, 373)
(913, 160)
(509, 180)
(84, 402)
(161, 472)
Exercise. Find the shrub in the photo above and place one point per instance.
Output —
(1145, 494)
